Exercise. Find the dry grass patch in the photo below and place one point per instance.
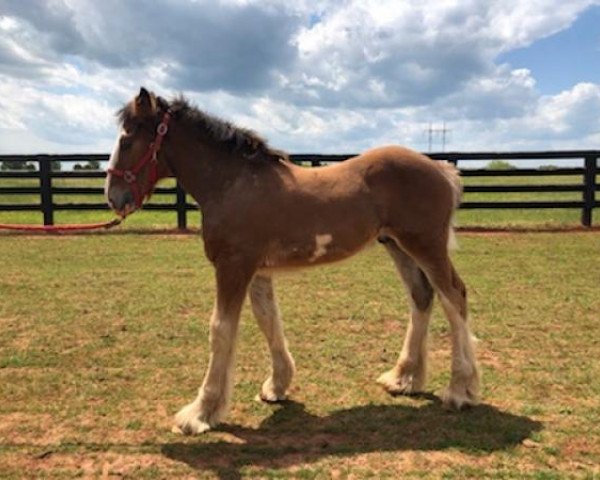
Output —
(103, 338)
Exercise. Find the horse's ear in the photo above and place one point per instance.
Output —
(144, 94)
(144, 102)
(162, 103)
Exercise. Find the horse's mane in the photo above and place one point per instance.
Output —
(233, 138)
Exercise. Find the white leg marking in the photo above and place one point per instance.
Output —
(408, 375)
(464, 383)
(212, 402)
(266, 311)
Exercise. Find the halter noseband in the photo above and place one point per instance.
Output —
(130, 175)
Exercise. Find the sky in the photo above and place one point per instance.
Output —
(310, 76)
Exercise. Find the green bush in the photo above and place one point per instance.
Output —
(500, 165)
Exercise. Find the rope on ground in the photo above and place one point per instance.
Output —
(61, 228)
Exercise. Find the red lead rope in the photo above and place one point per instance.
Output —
(130, 176)
(60, 228)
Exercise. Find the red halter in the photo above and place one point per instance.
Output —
(130, 176)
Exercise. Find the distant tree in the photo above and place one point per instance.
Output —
(16, 165)
(55, 166)
(548, 168)
(500, 165)
(92, 165)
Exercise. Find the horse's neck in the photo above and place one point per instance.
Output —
(202, 171)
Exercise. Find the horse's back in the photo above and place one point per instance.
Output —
(409, 188)
(394, 180)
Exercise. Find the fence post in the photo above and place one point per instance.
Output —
(181, 208)
(45, 169)
(589, 190)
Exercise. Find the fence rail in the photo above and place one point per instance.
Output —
(587, 173)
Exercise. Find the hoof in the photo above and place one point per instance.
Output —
(396, 384)
(456, 400)
(269, 395)
(191, 428)
(188, 422)
(261, 397)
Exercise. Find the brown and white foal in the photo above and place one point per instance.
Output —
(262, 214)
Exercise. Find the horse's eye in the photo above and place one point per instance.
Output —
(125, 142)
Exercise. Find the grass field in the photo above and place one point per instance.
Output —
(103, 338)
(465, 218)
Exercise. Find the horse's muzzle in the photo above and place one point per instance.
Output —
(121, 201)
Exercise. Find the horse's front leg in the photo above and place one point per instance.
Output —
(210, 406)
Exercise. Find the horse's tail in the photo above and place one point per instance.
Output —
(452, 174)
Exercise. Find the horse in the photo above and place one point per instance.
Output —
(263, 214)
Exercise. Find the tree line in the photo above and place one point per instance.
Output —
(55, 166)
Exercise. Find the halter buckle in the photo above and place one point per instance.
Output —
(162, 129)
(129, 176)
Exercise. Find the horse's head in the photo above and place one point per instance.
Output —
(134, 166)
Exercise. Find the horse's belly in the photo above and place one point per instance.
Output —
(317, 249)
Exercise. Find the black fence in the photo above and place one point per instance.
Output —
(42, 169)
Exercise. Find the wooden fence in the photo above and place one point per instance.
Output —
(586, 173)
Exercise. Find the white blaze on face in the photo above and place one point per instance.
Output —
(112, 161)
(321, 242)
(114, 156)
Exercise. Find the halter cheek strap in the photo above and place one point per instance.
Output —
(130, 176)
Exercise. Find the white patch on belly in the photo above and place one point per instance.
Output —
(321, 242)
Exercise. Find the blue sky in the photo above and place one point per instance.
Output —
(310, 76)
(564, 59)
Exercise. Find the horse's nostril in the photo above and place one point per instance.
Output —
(118, 201)
(127, 198)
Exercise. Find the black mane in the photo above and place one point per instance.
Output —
(233, 138)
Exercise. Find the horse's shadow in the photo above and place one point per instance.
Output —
(293, 436)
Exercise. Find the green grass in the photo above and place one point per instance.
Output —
(144, 219)
(465, 218)
(103, 338)
(521, 217)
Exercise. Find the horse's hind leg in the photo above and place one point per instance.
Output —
(432, 256)
(266, 311)
(408, 375)
(464, 382)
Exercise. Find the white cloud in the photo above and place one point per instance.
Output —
(61, 119)
(568, 120)
(518, 24)
(311, 76)
(574, 111)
